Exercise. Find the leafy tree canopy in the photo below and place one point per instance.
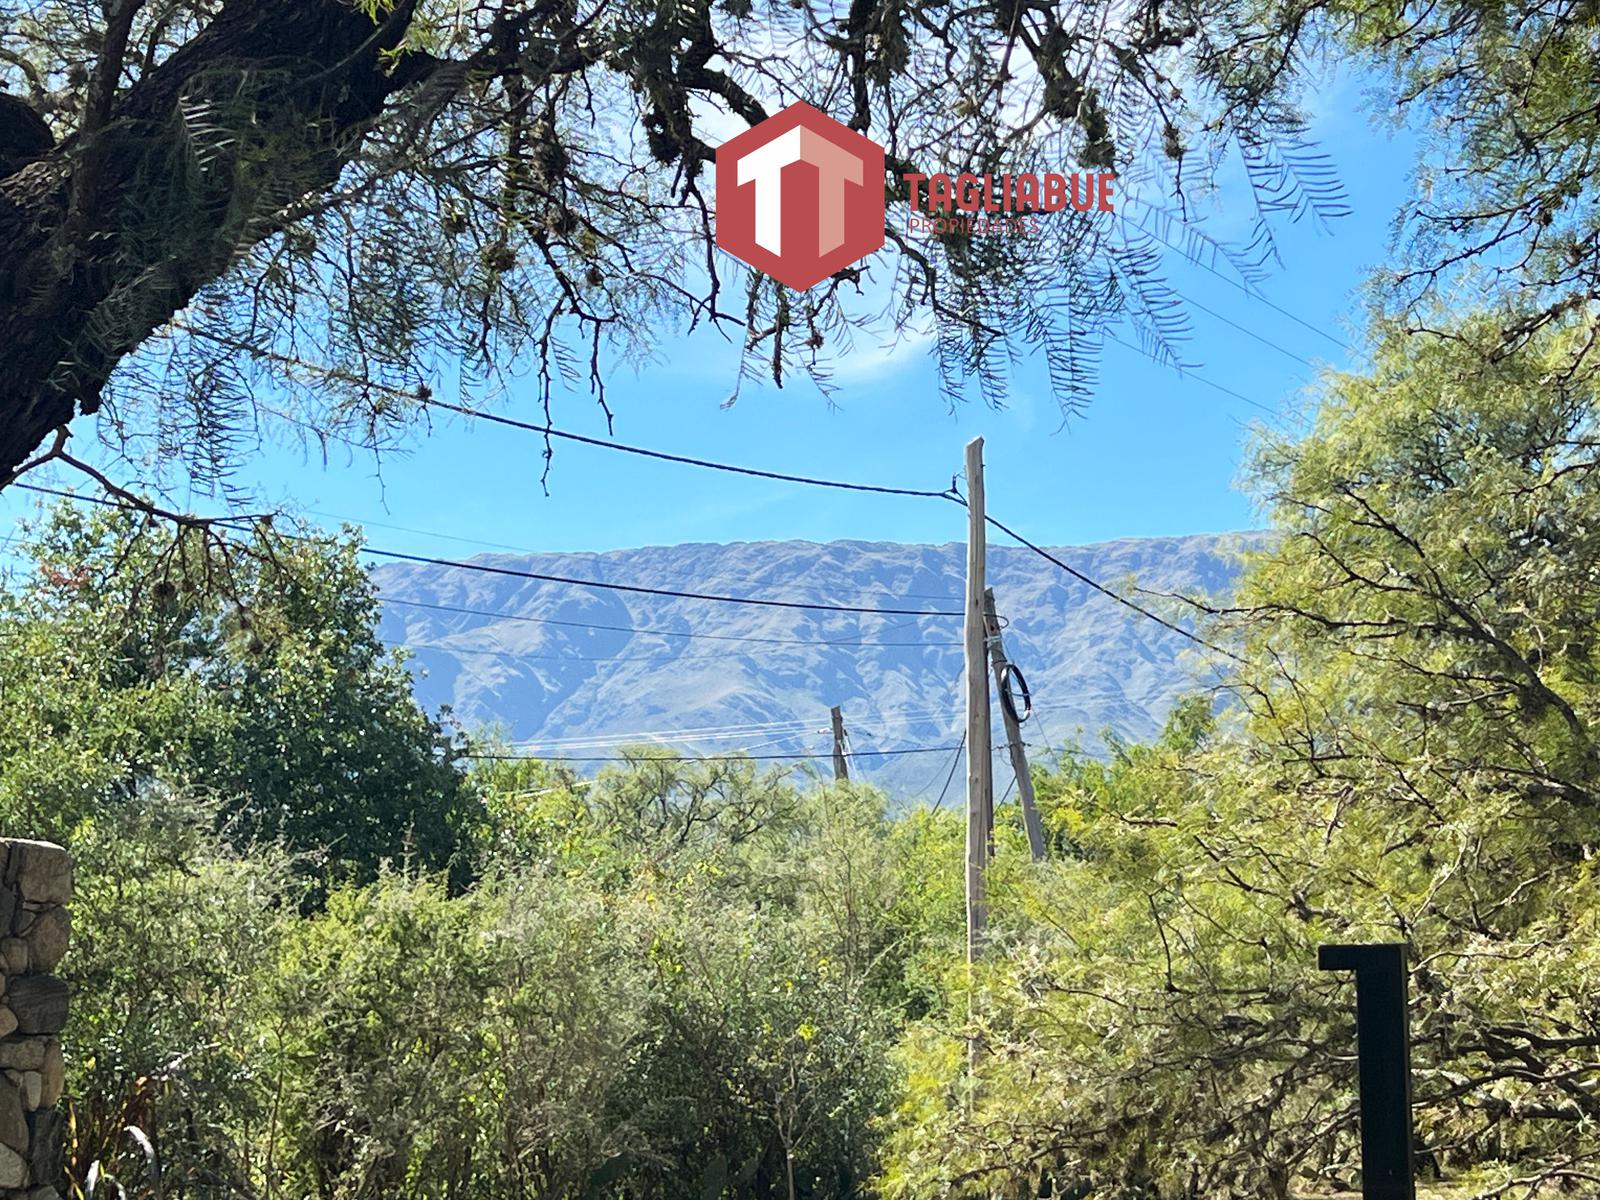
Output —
(1410, 759)
(257, 683)
(314, 212)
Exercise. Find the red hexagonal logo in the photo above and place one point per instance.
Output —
(800, 196)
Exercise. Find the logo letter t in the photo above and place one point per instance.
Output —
(835, 166)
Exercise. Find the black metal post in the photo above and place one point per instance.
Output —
(1383, 1049)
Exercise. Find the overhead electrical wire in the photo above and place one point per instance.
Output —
(702, 732)
(818, 756)
(947, 494)
(489, 569)
(797, 724)
(1234, 283)
(577, 741)
(1247, 331)
(1186, 373)
(486, 544)
(673, 633)
(955, 761)
(551, 431)
(496, 757)
(531, 656)
(781, 738)
(485, 568)
(1105, 591)
(794, 728)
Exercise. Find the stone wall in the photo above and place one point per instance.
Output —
(35, 886)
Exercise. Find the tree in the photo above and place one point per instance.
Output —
(784, 932)
(1410, 759)
(198, 192)
(1508, 175)
(1432, 698)
(130, 667)
(673, 977)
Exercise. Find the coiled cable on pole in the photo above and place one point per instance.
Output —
(1012, 674)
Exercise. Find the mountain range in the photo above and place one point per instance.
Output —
(554, 668)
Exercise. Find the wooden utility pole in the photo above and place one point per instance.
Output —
(1019, 755)
(980, 783)
(841, 769)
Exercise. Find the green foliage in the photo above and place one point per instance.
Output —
(783, 932)
(612, 1013)
(439, 1047)
(352, 205)
(674, 980)
(1504, 94)
(132, 659)
(680, 980)
(172, 934)
(1407, 757)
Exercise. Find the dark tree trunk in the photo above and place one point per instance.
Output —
(110, 234)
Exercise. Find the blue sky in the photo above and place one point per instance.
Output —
(1155, 454)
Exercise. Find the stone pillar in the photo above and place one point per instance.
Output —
(35, 886)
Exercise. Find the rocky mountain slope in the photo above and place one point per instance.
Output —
(563, 670)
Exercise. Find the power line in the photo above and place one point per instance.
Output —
(530, 656)
(955, 761)
(946, 494)
(1010, 786)
(1231, 281)
(708, 734)
(893, 717)
(580, 741)
(675, 633)
(550, 431)
(1186, 373)
(487, 569)
(1105, 591)
(781, 738)
(927, 788)
(1246, 330)
(487, 544)
(662, 736)
(492, 757)
(797, 724)
(1049, 742)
